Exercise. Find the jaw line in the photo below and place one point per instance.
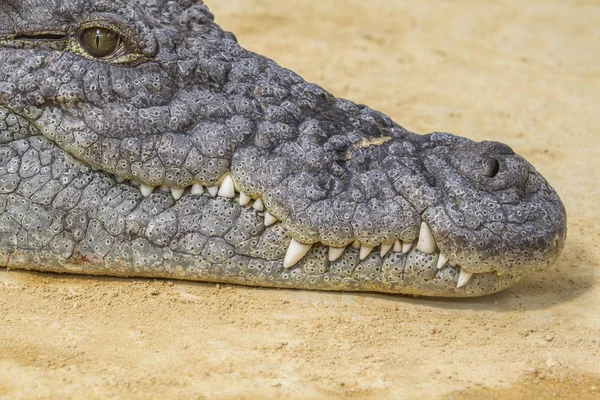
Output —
(425, 243)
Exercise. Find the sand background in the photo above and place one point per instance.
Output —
(527, 75)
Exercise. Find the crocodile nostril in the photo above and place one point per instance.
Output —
(491, 167)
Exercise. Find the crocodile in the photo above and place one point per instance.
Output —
(139, 139)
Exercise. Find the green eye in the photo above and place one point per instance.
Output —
(100, 42)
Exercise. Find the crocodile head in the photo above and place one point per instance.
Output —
(139, 138)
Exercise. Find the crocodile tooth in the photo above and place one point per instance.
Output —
(463, 278)
(442, 260)
(227, 188)
(365, 251)
(213, 190)
(258, 205)
(164, 188)
(146, 190)
(244, 199)
(295, 253)
(177, 193)
(426, 242)
(406, 247)
(385, 248)
(197, 189)
(356, 245)
(269, 219)
(119, 179)
(397, 246)
(335, 253)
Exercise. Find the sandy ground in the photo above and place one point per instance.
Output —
(525, 75)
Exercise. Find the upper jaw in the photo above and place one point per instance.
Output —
(424, 248)
(507, 230)
(428, 234)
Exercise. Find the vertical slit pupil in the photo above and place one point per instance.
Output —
(100, 42)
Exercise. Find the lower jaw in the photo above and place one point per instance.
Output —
(411, 274)
(441, 271)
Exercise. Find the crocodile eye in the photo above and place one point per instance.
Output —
(100, 42)
(491, 167)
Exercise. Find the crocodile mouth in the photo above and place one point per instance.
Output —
(424, 246)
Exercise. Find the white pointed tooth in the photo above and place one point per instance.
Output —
(213, 190)
(258, 205)
(270, 219)
(177, 193)
(463, 278)
(442, 260)
(385, 248)
(406, 247)
(397, 246)
(365, 251)
(426, 242)
(164, 188)
(295, 253)
(197, 189)
(335, 253)
(146, 190)
(227, 188)
(244, 199)
(356, 245)
(119, 179)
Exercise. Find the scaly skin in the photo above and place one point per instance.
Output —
(179, 104)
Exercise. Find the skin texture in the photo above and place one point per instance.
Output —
(181, 103)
